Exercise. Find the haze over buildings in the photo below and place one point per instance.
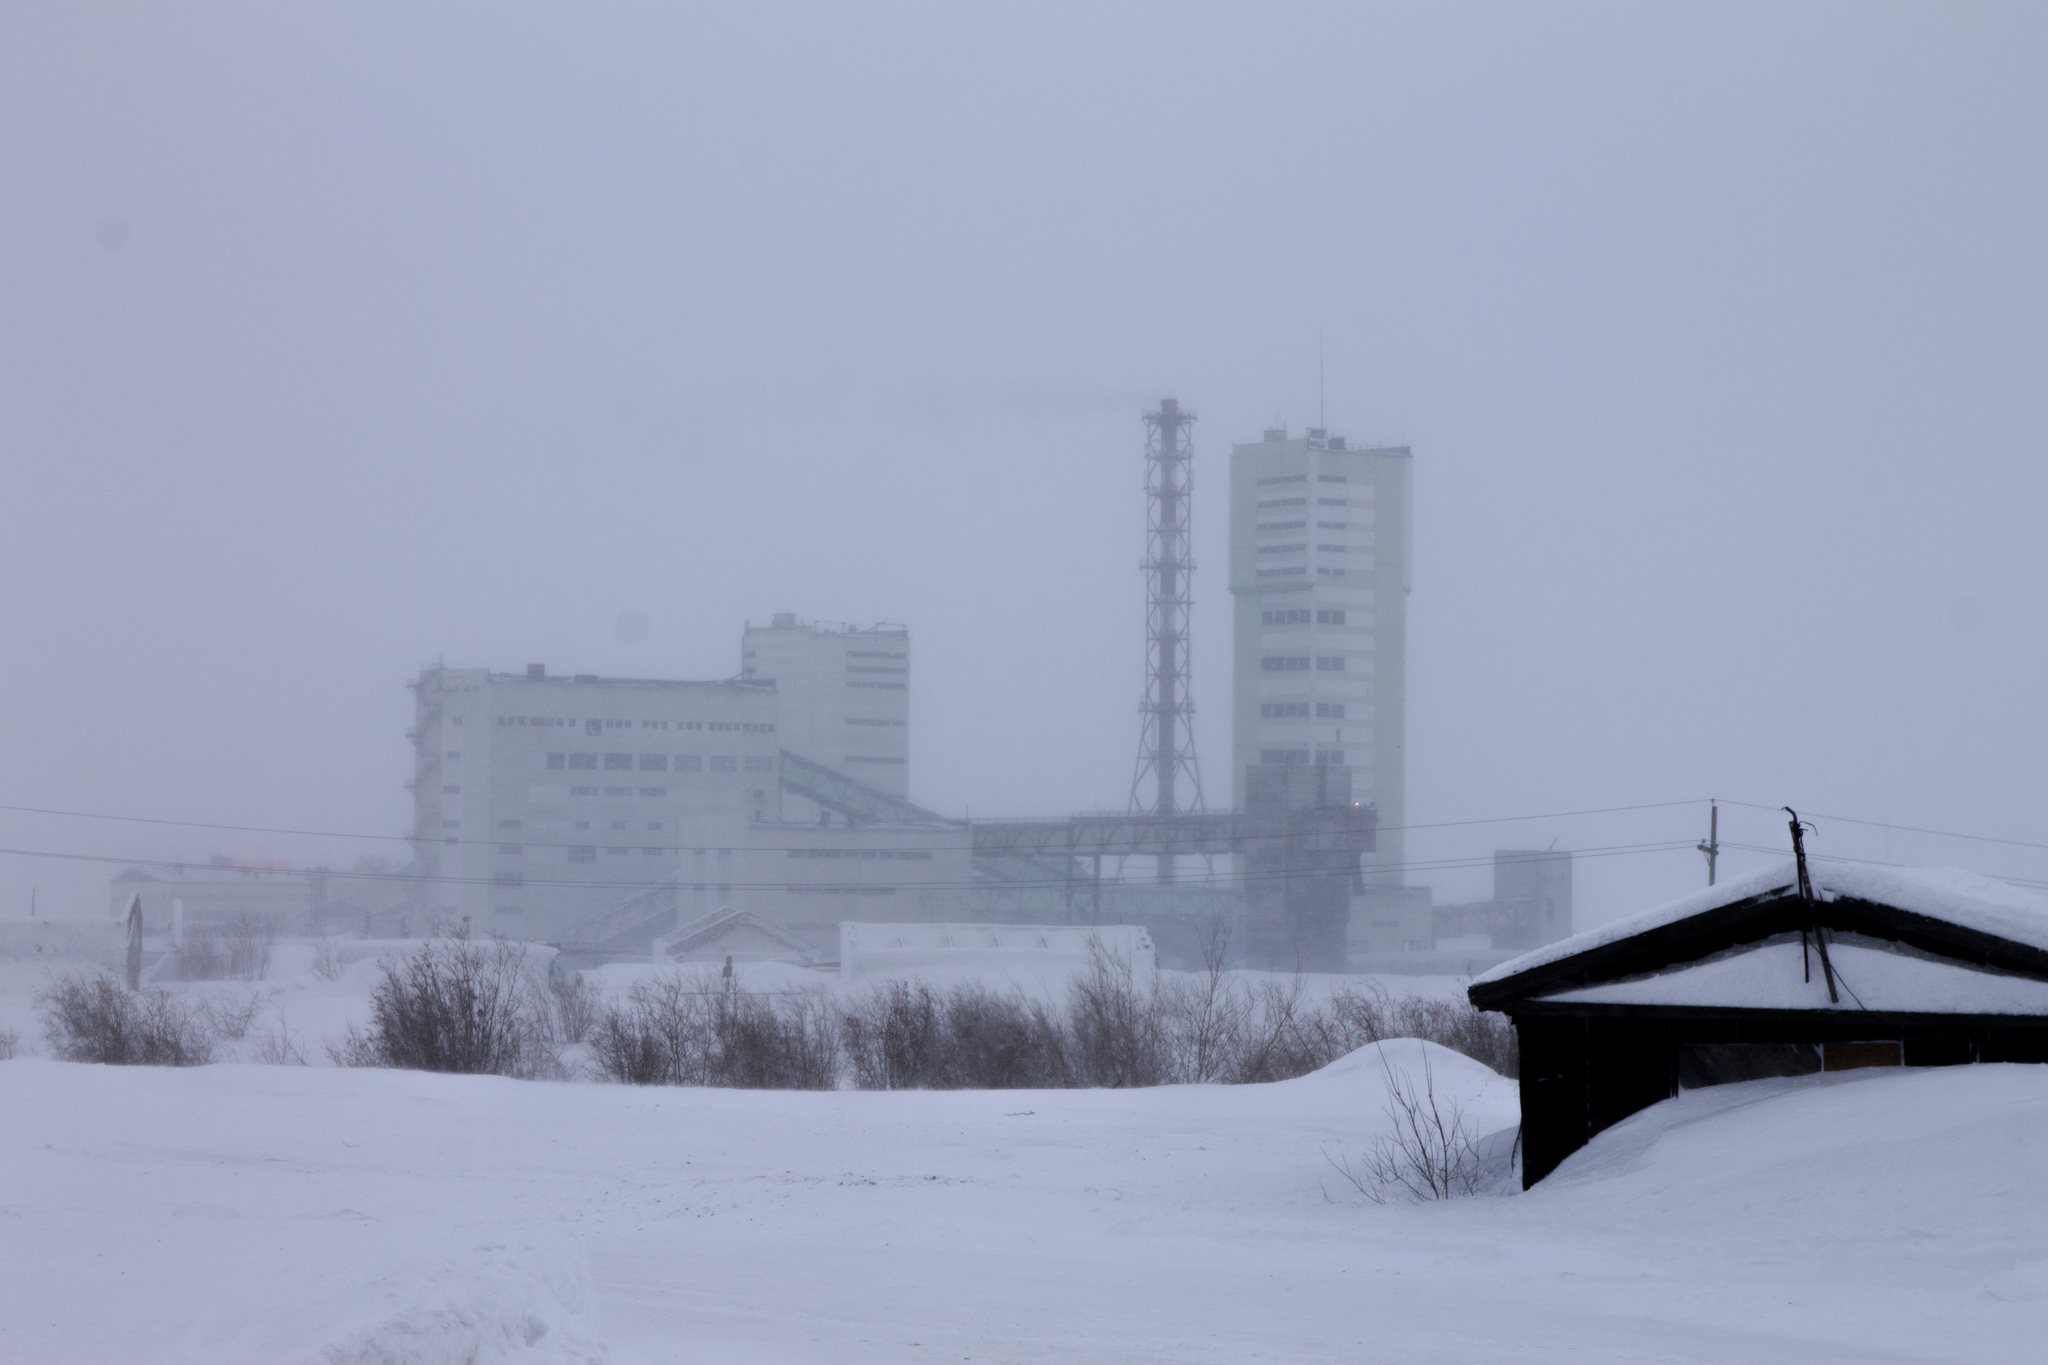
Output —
(345, 339)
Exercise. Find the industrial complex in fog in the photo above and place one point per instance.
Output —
(758, 813)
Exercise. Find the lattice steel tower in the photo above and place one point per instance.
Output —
(1166, 748)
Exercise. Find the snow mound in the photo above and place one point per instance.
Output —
(503, 1306)
(1414, 1059)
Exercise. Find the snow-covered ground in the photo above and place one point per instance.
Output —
(252, 1213)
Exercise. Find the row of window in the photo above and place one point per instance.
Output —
(1281, 549)
(909, 854)
(871, 720)
(1299, 663)
(1303, 478)
(1299, 616)
(1291, 710)
(1281, 573)
(875, 654)
(1283, 502)
(587, 853)
(1321, 757)
(1281, 525)
(655, 763)
(598, 727)
(900, 687)
(874, 668)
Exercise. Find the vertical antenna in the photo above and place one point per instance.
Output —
(1166, 747)
(1321, 420)
(1812, 916)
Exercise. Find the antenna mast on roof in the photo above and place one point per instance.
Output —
(1812, 916)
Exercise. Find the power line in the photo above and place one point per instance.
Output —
(1866, 862)
(1904, 829)
(596, 884)
(459, 841)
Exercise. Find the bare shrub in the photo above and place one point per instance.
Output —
(250, 940)
(202, 955)
(1004, 1041)
(896, 1038)
(279, 1048)
(456, 1005)
(92, 1019)
(353, 1048)
(230, 1016)
(573, 1006)
(644, 1040)
(1206, 1015)
(1488, 1039)
(1118, 1027)
(682, 1029)
(235, 949)
(10, 1044)
(903, 1037)
(789, 1042)
(327, 962)
(1431, 1152)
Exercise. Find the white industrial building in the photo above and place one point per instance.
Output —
(843, 694)
(1319, 573)
(582, 809)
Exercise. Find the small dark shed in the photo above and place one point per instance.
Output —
(1925, 967)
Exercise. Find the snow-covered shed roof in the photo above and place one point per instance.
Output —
(1902, 940)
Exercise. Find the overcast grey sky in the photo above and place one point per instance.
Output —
(339, 339)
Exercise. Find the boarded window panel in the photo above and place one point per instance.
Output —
(1937, 1051)
(1856, 1056)
(1705, 1064)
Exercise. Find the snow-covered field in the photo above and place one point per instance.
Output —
(252, 1213)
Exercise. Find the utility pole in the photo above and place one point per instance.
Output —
(1712, 847)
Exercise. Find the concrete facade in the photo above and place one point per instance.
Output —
(569, 809)
(1319, 577)
(844, 694)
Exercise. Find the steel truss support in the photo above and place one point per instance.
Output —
(1166, 745)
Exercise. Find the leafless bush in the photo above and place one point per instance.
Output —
(1488, 1039)
(92, 1019)
(903, 1037)
(1118, 1029)
(456, 1005)
(1431, 1152)
(230, 1016)
(681, 1029)
(279, 1048)
(644, 1040)
(1117, 1026)
(327, 962)
(573, 1006)
(1205, 1015)
(1004, 1041)
(896, 1038)
(235, 949)
(788, 1042)
(10, 1044)
(202, 955)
